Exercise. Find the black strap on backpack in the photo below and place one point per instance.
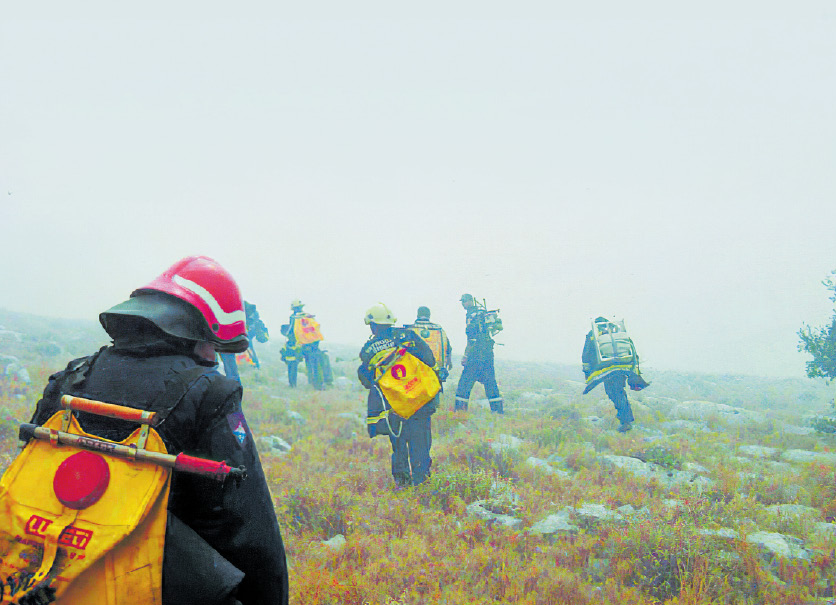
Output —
(176, 388)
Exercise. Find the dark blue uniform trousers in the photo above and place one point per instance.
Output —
(614, 386)
(411, 459)
(479, 370)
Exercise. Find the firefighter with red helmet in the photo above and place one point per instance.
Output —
(223, 544)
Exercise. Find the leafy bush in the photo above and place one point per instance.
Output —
(449, 487)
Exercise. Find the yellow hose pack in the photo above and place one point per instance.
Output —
(89, 527)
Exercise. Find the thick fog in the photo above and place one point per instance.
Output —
(672, 169)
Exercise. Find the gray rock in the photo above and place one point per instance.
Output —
(556, 460)
(480, 510)
(335, 543)
(808, 456)
(779, 545)
(699, 410)
(11, 336)
(275, 445)
(757, 451)
(544, 466)
(678, 426)
(626, 511)
(824, 528)
(593, 514)
(343, 383)
(791, 429)
(529, 397)
(693, 467)
(723, 532)
(665, 477)
(665, 404)
(789, 511)
(628, 463)
(296, 416)
(540, 464)
(554, 524)
(506, 442)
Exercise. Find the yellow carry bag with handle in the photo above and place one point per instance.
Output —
(406, 382)
(83, 519)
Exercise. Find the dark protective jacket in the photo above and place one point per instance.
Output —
(236, 520)
(588, 357)
(256, 329)
(479, 341)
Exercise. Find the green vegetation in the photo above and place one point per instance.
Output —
(668, 537)
(820, 343)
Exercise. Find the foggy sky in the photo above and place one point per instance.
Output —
(675, 169)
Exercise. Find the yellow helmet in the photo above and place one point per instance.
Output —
(380, 314)
(296, 303)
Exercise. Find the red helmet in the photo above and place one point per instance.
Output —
(206, 287)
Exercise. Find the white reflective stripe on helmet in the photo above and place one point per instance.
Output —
(222, 316)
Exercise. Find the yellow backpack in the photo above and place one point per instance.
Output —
(406, 382)
(306, 330)
(434, 337)
(83, 519)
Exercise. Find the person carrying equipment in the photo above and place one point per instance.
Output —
(303, 338)
(113, 526)
(480, 326)
(397, 368)
(256, 330)
(609, 356)
(435, 336)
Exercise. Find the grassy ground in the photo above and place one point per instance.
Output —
(420, 545)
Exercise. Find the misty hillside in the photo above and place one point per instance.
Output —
(722, 493)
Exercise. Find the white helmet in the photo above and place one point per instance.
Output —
(380, 314)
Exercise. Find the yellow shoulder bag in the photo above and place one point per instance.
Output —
(406, 382)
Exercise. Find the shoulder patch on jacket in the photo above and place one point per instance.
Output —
(238, 426)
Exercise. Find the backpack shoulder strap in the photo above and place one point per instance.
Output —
(176, 387)
(77, 371)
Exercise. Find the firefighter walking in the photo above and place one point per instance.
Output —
(478, 360)
(609, 356)
(396, 366)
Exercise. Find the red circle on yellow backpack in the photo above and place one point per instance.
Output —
(81, 480)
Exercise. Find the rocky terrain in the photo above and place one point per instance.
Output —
(722, 493)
